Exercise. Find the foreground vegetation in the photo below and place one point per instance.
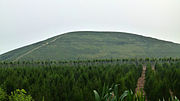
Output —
(82, 80)
(62, 81)
(17, 95)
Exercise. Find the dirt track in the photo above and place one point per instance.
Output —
(153, 67)
(141, 81)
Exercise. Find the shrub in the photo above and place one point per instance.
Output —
(20, 95)
(3, 95)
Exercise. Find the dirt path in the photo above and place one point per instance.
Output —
(36, 48)
(141, 82)
(153, 67)
(171, 93)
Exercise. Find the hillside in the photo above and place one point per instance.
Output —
(90, 45)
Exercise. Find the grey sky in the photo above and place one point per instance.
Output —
(23, 22)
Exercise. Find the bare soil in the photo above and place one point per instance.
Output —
(153, 67)
(141, 82)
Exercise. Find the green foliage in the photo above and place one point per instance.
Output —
(163, 80)
(130, 96)
(76, 80)
(20, 95)
(112, 94)
(67, 81)
(3, 95)
(95, 45)
(108, 94)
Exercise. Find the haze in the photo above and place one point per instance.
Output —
(23, 22)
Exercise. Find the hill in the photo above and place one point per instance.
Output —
(94, 45)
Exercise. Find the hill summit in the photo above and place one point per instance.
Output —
(94, 45)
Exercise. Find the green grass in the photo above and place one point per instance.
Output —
(97, 45)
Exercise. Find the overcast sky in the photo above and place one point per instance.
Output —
(23, 22)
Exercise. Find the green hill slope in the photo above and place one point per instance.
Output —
(90, 45)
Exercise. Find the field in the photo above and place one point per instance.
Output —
(76, 80)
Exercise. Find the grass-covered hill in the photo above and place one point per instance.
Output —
(92, 45)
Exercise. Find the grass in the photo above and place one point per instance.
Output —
(97, 45)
